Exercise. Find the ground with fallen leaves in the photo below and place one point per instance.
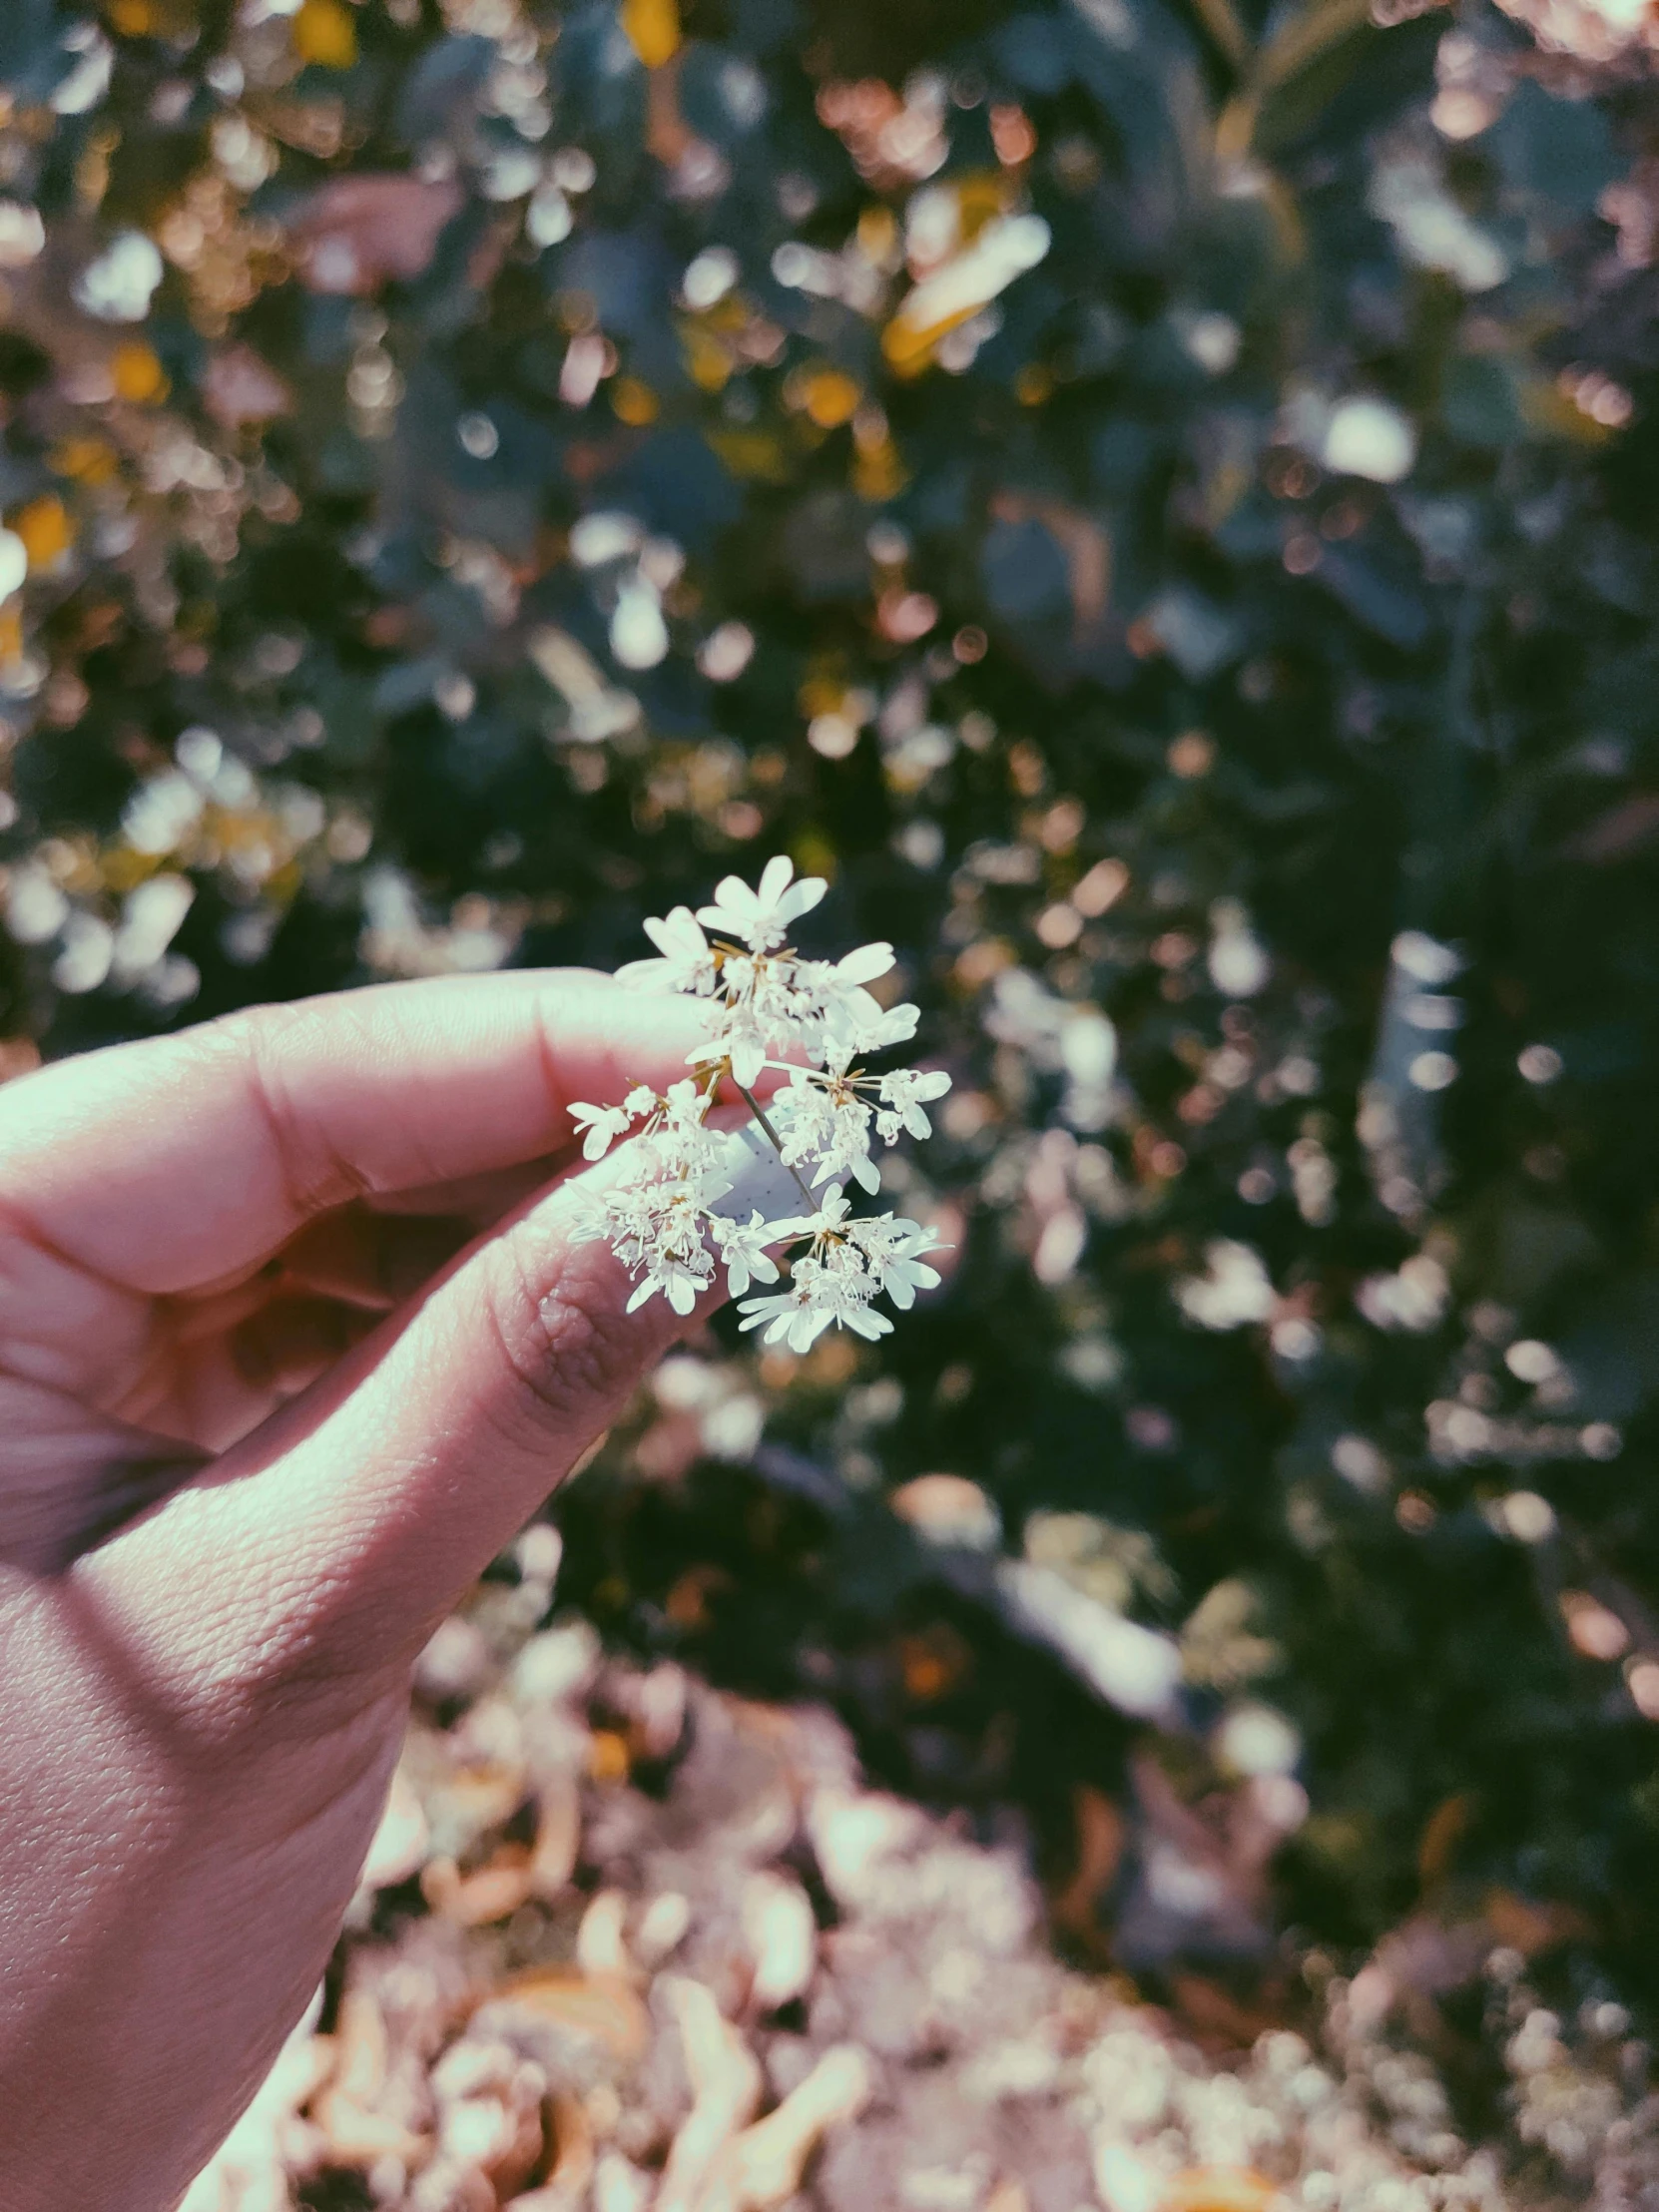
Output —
(626, 1943)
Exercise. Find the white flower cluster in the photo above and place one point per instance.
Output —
(812, 1023)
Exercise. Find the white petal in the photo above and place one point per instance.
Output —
(867, 1323)
(864, 965)
(664, 931)
(774, 880)
(645, 974)
(801, 898)
(733, 901)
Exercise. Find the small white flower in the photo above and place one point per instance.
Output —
(746, 1047)
(788, 1317)
(604, 1124)
(820, 1296)
(836, 990)
(905, 1092)
(743, 1247)
(894, 1251)
(680, 1281)
(761, 919)
(825, 1222)
(766, 1006)
(687, 963)
(827, 1123)
(896, 1026)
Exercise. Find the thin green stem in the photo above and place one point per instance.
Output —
(759, 1111)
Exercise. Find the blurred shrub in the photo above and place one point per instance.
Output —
(1158, 502)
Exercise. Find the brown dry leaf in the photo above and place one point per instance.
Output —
(483, 1794)
(601, 1951)
(356, 2137)
(361, 2047)
(602, 2008)
(1442, 1832)
(1529, 1924)
(769, 2159)
(1219, 2189)
(558, 1835)
(493, 2141)
(573, 2156)
(725, 2088)
(493, 1892)
(356, 2134)
(1101, 1835)
(1216, 2018)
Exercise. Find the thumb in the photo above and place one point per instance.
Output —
(342, 1532)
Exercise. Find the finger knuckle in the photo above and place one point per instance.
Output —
(559, 1318)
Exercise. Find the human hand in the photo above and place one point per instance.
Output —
(293, 1338)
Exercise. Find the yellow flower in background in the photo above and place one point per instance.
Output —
(138, 375)
(324, 33)
(633, 402)
(1004, 248)
(151, 18)
(46, 531)
(826, 396)
(88, 460)
(653, 28)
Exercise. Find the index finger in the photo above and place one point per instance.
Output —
(175, 1161)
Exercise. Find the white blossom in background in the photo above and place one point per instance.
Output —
(813, 1022)
(119, 286)
(1369, 438)
(88, 79)
(21, 233)
(1415, 1298)
(14, 565)
(1239, 967)
(1235, 1290)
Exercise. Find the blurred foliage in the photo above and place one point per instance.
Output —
(1157, 500)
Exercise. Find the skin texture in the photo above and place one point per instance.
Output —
(293, 1341)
